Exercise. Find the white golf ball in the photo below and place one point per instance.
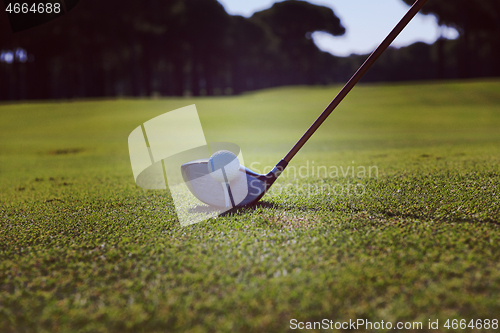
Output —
(223, 160)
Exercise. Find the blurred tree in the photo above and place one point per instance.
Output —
(174, 47)
(478, 23)
(142, 48)
(252, 53)
(292, 23)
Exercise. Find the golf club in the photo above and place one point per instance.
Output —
(195, 172)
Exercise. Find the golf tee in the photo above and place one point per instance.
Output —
(225, 188)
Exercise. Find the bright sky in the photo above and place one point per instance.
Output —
(367, 23)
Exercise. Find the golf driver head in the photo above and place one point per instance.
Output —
(245, 189)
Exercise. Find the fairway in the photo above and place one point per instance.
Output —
(390, 212)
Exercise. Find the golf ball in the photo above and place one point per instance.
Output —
(223, 160)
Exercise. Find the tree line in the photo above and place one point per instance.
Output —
(193, 47)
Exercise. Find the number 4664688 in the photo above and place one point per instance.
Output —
(479, 324)
(40, 8)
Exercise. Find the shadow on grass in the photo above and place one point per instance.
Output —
(253, 207)
(205, 209)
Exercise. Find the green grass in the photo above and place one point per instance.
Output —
(83, 249)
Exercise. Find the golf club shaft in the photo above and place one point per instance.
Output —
(356, 77)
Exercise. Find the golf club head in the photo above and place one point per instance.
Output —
(245, 189)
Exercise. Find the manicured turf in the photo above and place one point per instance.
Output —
(83, 249)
